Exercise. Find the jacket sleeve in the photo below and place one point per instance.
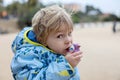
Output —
(31, 67)
(61, 70)
(77, 74)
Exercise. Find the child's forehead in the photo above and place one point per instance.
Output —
(64, 29)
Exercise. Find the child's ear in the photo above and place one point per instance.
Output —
(42, 41)
(45, 44)
(39, 39)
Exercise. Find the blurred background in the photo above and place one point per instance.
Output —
(97, 30)
(20, 12)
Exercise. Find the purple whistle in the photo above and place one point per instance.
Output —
(74, 48)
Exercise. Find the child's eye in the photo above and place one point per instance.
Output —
(60, 36)
(70, 34)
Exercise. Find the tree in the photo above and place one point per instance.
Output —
(1, 2)
(76, 17)
(14, 8)
(30, 8)
(90, 9)
(32, 3)
(111, 17)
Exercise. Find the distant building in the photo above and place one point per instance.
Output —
(105, 15)
(73, 7)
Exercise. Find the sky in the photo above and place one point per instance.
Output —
(106, 6)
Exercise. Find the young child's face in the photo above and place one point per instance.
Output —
(60, 41)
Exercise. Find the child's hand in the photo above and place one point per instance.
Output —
(74, 58)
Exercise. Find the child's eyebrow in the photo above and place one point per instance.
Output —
(59, 31)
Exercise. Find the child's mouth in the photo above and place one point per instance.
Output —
(67, 49)
(73, 48)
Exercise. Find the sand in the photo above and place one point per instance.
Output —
(101, 53)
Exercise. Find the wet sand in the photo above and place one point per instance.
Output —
(101, 50)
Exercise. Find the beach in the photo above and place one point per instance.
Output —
(101, 53)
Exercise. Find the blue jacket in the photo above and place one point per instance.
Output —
(33, 61)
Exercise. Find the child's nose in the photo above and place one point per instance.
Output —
(68, 40)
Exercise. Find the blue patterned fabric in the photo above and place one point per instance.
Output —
(36, 62)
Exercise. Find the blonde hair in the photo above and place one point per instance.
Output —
(50, 19)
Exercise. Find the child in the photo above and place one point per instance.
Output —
(41, 52)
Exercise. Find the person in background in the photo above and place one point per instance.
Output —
(114, 26)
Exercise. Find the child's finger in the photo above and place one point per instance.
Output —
(77, 53)
(78, 57)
